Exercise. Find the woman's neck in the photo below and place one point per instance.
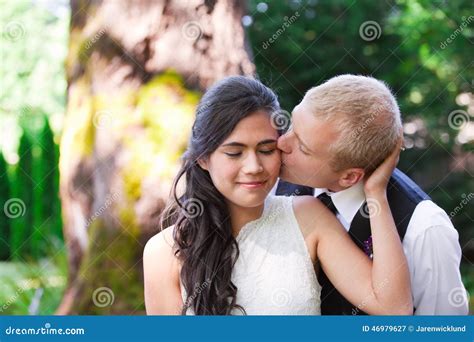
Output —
(240, 216)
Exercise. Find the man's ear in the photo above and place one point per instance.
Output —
(351, 177)
(203, 163)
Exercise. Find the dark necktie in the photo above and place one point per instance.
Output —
(327, 201)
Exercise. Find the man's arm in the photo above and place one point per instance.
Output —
(434, 255)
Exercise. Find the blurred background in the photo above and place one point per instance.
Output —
(97, 99)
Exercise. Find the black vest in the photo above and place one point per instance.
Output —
(403, 197)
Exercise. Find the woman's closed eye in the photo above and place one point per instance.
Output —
(268, 151)
(233, 154)
(238, 154)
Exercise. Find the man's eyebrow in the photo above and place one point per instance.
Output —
(238, 144)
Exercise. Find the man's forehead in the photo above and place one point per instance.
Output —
(302, 112)
(312, 129)
(298, 107)
(303, 106)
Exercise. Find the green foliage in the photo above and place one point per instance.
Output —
(33, 48)
(46, 208)
(5, 226)
(49, 181)
(23, 221)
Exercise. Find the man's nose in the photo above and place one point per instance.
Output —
(283, 143)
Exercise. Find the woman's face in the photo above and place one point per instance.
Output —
(246, 165)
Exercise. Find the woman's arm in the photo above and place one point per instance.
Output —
(390, 269)
(161, 273)
(381, 286)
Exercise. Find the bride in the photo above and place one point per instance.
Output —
(231, 249)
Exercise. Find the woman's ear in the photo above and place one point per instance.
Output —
(203, 163)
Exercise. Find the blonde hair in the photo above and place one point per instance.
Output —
(366, 115)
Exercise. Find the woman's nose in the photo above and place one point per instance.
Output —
(253, 164)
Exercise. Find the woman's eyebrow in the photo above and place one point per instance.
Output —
(238, 144)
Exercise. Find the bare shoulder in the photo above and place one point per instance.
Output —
(159, 257)
(160, 244)
(312, 215)
(303, 203)
(161, 274)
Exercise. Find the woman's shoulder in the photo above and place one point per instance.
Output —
(161, 275)
(307, 205)
(159, 253)
(301, 205)
(161, 243)
(311, 214)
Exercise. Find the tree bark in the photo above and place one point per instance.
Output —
(136, 70)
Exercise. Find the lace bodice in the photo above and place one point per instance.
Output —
(274, 274)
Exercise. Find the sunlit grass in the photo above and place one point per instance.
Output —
(33, 287)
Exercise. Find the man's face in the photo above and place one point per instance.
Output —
(305, 150)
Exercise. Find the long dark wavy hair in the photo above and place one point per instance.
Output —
(203, 238)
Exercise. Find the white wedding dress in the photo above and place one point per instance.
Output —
(274, 274)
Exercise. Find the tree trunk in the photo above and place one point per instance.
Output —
(136, 70)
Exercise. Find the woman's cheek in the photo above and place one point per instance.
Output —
(276, 163)
(230, 171)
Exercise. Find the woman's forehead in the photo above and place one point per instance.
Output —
(253, 128)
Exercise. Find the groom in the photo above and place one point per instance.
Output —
(341, 131)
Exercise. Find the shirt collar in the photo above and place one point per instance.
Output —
(348, 201)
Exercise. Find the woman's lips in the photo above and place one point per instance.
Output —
(252, 185)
